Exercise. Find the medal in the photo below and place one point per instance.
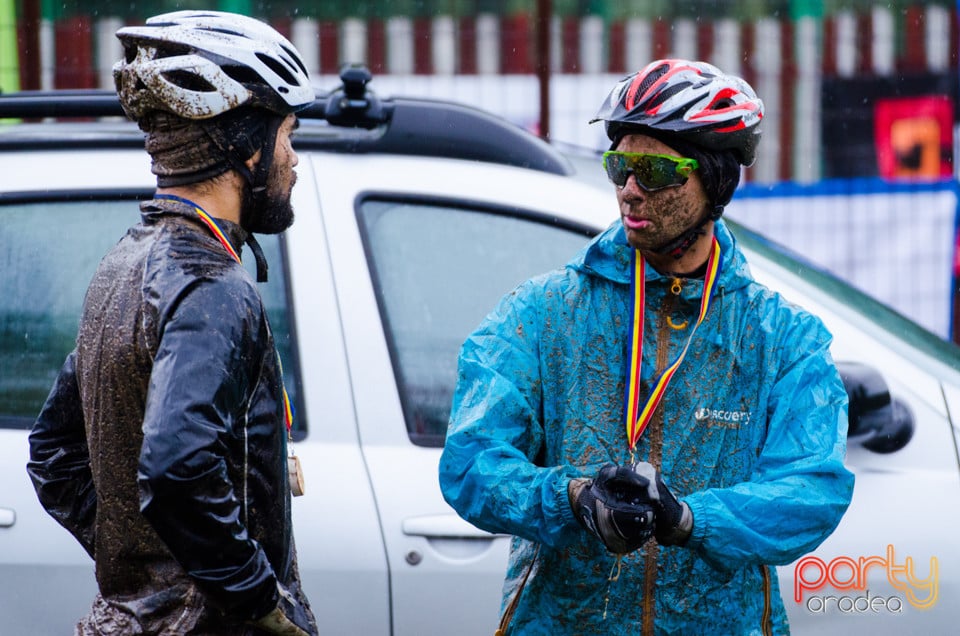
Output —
(295, 473)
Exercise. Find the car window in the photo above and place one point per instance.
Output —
(49, 251)
(437, 270)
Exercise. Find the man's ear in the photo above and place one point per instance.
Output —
(252, 162)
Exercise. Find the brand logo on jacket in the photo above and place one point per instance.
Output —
(850, 576)
(722, 417)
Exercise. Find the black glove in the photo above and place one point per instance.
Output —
(288, 618)
(674, 522)
(613, 508)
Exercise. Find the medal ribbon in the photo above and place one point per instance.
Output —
(220, 236)
(635, 417)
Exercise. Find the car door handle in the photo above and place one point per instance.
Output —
(444, 527)
(8, 517)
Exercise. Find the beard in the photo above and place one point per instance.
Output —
(267, 211)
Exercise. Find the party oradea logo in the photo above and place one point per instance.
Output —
(841, 585)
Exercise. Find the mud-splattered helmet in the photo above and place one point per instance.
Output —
(693, 101)
(200, 64)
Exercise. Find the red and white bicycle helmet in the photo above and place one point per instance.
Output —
(200, 64)
(695, 101)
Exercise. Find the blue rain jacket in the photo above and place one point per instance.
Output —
(752, 433)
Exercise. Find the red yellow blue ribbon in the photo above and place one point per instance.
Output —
(636, 417)
(210, 223)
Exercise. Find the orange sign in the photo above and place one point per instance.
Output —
(914, 137)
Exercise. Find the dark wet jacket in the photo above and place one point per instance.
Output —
(162, 445)
(751, 434)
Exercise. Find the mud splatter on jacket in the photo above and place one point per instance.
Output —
(751, 434)
(162, 445)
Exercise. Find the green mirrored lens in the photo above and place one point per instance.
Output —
(617, 169)
(656, 172)
(653, 172)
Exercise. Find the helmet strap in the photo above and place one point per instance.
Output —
(238, 149)
(230, 152)
(258, 258)
(258, 180)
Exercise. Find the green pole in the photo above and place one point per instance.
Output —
(9, 62)
(243, 7)
(806, 9)
(51, 10)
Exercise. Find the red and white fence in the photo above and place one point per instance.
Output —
(785, 60)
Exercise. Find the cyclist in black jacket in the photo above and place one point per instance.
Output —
(163, 444)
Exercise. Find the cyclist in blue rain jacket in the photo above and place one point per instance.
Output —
(655, 428)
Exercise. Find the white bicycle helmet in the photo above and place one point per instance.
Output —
(694, 101)
(200, 64)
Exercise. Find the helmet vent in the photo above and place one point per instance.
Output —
(296, 59)
(278, 68)
(171, 50)
(224, 31)
(189, 81)
(242, 74)
(650, 80)
(666, 94)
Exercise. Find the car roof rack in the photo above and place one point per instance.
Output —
(351, 119)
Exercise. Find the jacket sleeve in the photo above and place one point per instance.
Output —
(487, 469)
(799, 488)
(203, 373)
(59, 463)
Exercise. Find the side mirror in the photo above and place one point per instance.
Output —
(879, 423)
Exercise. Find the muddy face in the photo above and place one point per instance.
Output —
(653, 219)
(270, 211)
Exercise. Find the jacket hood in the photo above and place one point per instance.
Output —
(608, 256)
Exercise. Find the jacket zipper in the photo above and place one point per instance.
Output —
(649, 588)
(765, 623)
(246, 468)
(656, 459)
